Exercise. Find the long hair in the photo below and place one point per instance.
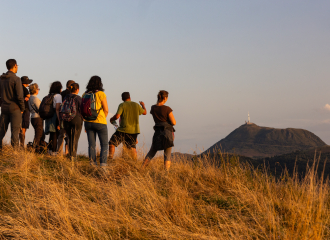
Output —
(162, 95)
(94, 84)
(55, 87)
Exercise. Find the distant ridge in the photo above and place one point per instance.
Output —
(253, 141)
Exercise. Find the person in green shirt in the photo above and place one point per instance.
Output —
(129, 127)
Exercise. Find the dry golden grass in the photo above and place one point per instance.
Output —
(43, 197)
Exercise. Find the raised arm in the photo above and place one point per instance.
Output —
(144, 108)
(172, 119)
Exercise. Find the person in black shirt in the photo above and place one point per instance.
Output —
(164, 132)
(26, 114)
(12, 106)
(73, 127)
(63, 136)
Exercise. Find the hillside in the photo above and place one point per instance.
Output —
(43, 197)
(253, 141)
(299, 160)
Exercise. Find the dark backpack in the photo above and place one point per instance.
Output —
(88, 107)
(46, 109)
(68, 108)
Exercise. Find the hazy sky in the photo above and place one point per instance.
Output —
(217, 59)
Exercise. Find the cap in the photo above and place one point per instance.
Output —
(26, 80)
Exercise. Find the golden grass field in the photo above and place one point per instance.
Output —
(43, 197)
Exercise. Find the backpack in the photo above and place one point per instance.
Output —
(68, 109)
(88, 106)
(46, 109)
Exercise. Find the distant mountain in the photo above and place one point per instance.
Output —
(253, 141)
(298, 160)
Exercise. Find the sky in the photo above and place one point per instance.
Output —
(218, 60)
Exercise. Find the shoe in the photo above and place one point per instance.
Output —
(104, 169)
(92, 163)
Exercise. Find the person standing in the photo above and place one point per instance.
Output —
(98, 126)
(36, 121)
(129, 128)
(26, 114)
(72, 126)
(164, 132)
(12, 107)
(52, 125)
(62, 135)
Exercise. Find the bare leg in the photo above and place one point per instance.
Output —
(133, 153)
(167, 165)
(22, 136)
(145, 163)
(111, 151)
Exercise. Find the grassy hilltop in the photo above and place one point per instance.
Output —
(43, 197)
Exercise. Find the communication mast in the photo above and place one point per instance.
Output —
(248, 118)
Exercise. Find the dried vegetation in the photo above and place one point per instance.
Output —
(43, 197)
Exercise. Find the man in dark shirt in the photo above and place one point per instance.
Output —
(62, 134)
(12, 107)
(26, 114)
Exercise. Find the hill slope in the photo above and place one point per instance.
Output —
(43, 197)
(258, 142)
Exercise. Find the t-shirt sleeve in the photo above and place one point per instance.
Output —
(169, 110)
(120, 109)
(57, 99)
(101, 95)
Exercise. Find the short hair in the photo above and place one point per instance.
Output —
(125, 96)
(162, 95)
(69, 83)
(33, 88)
(74, 87)
(10, 63)
(55, 87)
(94, 84)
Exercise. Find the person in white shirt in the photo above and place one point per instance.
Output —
(53, 124)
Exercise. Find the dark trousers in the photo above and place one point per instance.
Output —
(15, 120)
(53, 140)
(73, 130)
(167, 153)
(39, 135)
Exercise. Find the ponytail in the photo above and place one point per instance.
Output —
(73, 87)
(161, 96)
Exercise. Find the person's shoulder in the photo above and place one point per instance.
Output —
(167, 108)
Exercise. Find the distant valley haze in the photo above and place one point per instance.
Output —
(218, 60)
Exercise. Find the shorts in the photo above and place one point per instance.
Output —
(26, 119)
(129, 140)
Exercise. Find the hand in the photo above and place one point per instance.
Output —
(26, 99)
(142, 104)
(58, 127)
(21, 112)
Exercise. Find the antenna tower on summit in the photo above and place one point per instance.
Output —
(248, 122)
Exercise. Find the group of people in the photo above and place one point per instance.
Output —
(61, 115)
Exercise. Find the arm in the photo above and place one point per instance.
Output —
(172, 119)
(115, 117)
(58, 106)
(20, 95)
(27, 97)
(104, 104)
(144, 108)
